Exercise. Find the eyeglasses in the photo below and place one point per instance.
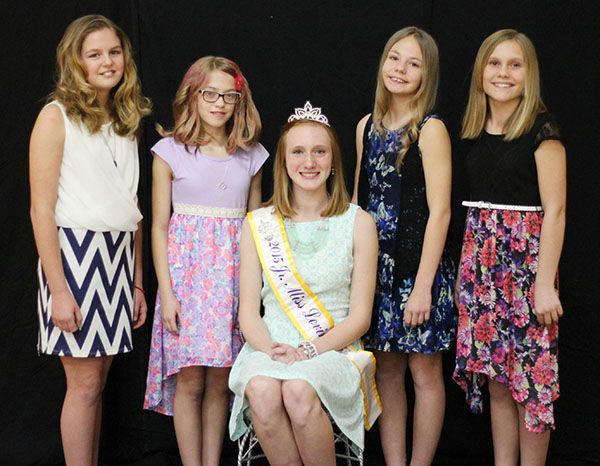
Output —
(213, 96)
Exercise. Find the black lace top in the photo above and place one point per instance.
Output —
(504, 172)
(397, 201)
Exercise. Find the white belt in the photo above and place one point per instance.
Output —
(490, 206)
(203, 211)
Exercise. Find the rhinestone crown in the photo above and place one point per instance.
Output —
(309, 113)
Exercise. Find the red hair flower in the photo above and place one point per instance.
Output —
(239, 82)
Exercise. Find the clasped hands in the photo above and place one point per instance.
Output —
(287, 354)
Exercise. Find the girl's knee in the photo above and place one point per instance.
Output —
(190, 383)
(264, 396)
(300, 400)
(426, 370)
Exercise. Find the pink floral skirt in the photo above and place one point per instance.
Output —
(204, 267)
(499, 336)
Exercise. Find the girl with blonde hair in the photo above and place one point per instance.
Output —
(506, 294)
(403, 179)
(84, 177)
(208, 168)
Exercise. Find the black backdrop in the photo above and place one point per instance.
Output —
(290, 51)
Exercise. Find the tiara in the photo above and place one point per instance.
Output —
(309, 113)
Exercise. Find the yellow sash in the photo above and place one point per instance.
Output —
(301, 305)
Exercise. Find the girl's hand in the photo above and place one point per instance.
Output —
(547, 305)
(287, 354)
(140, 308)
(170, 314)
(65, 312)
(457, 293)
(418, 308)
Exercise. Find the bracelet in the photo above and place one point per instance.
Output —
(140, 288)
(309, 349)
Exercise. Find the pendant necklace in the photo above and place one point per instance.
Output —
(307, 248)
(222, 185)
(113, 149)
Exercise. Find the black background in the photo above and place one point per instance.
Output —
(291, 51)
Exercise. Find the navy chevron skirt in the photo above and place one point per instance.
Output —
(99, 272)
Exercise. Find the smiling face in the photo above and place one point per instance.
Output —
(102, 55)
(308, 156)
(215, 115)
(402, 69)
(505, 73)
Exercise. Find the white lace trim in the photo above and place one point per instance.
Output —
(203, 211)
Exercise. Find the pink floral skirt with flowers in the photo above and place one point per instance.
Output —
(499, 336)
(204, 266)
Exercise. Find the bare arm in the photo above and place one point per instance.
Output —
(162, 176)
(360, 129)
(550, 159)
(362, 289)
(255, 193)
(140, 308)
(45, 158)
(434, 143)
(253, 327)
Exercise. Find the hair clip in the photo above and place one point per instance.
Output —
(309, 113)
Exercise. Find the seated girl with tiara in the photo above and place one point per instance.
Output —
(304, 358)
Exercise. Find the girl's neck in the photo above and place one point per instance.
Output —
(102, 98)
(398, 114)
(309, 204)
(216, 146)
(499, 113)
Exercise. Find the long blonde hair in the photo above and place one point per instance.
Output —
(126, 104)
(244, 126)
(282, 189)
(424, 99)
(522, 119)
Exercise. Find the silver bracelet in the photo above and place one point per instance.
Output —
(309, 349)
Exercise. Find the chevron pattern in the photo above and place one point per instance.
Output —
(99, 272)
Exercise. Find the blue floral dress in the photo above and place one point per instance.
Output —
(397, 203)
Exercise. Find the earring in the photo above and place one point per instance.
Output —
(332, 171)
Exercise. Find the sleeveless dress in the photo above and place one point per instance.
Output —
(96, 215)
(328, 273)
(203, 262)
(397, 202)
(499, 336)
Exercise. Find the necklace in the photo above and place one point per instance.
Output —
(222, 185)
(113, 149)
(307, 248)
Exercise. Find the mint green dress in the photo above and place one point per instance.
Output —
(328, 273)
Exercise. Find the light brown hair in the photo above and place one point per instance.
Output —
(244, 126)
(282, 190)
(423, 102)
(126, 104)
(530, 105)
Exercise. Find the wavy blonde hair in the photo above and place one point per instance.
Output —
(244, 126)
(282, 189)
(126, 104)
(530, 105)
(423, 102)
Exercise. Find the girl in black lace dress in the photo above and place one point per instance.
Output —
(508, 303)
(403, 180)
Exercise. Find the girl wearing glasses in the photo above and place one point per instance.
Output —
(209, 168)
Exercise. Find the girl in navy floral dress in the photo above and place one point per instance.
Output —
(403, 180)
(508, 304)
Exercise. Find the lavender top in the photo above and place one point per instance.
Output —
(197, 176)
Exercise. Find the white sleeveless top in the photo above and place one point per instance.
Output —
(97, 185)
